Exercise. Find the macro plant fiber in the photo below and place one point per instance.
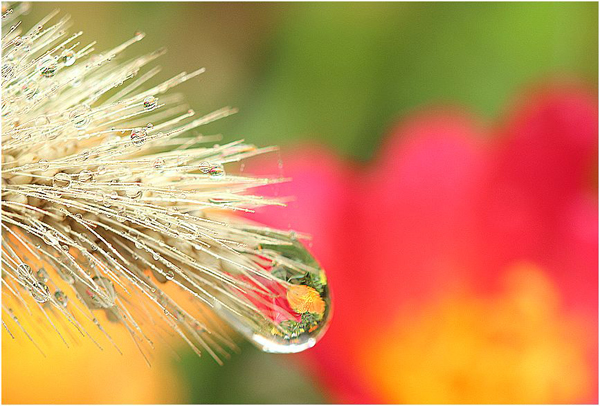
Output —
(111, 198)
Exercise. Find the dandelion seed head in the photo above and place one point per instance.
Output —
(111, 197)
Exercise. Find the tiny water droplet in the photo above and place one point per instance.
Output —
(216, 170)
(29, 89)
(50, 237)
(158, 163)
(40, 292)
(24, 271)
(67, 57)
(61, 180)
(61, 298)
(85, 176)
(42, 275)
(8, 71)
(150, 103)
(43, 164)
(47, 66)
(138, 136)
(170, 275)
(80, 116)
(106, 296)
(134, 192)
(41, 121)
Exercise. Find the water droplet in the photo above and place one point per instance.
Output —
(138, 136)
(170, 275)
(150, 103)
(105, 296)
(85, 176)
(297, 310)
(47, 66)
(158, 163)
(41, 121)
(134, 192)
(8, 71)
(43, 164)
(40, 292)
(81, 116)
(24, 271)
(50, 237)
(42, 275)
(29, 89)
(61, 180)
(204, 166)
(67, 57)
(61, 298)
(216, 170)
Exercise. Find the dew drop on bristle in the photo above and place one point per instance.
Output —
(40, 292)
(61, 180)
(50, 237)
(42, 275)
(158, 163)
(138, 136)
(134, 192)
(67, 57)
(47, 66)
(85, 176)
(80, 116)
(24, 271)
(298, 308)
(103, 298)
(150, 103)
(8, 71)
(61, 298)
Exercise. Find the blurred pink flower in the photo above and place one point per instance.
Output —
(463, 261)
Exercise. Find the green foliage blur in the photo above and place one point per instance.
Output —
(341, 74)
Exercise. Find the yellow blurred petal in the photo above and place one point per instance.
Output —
(513, 347)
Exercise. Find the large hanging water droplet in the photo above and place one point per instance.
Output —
(294, 311)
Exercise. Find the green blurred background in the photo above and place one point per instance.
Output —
(341, 74)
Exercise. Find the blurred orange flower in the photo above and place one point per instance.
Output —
(463, 266)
